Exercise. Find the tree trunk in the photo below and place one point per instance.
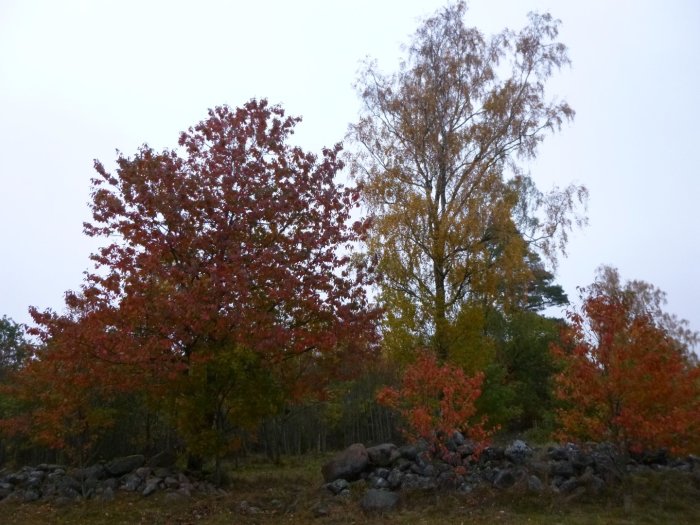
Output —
(440, 340)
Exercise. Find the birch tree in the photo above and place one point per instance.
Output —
(441, 146)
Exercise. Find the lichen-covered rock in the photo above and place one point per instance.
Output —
(69, 486)
(377, 482)
(413, 451)
(563, 469)
(376, 500)
(34, 480)
(107, 494)
(448, 480)
(504, 479)
(121, 466)
(558, 453)
(383, 455)
(31, 495)
(143, 472)
(568, 486)
(491, 454)
(151, 486)
(96, 471)
(131, 482)
(48, 467)
(394, 478)
(534, 484)
(17, 478)
(413, 481)
(68, 494)
(348, 464)
(171, 483)
(518, 452)
(337, 486)
(6, 489)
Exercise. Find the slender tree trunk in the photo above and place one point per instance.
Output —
(440, 340)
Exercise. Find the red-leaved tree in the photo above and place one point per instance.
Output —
(63, 396)
(625, 377)
(226, 288)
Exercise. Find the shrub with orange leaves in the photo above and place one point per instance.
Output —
(625, 378)
(436, 401)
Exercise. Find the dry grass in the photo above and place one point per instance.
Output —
(261, 493)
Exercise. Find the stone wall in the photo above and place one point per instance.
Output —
(383, 472)
(58, 484)
(387, 470)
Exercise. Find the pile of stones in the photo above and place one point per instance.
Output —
(386, 470)
(57, 484)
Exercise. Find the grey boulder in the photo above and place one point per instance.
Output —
(348, 464)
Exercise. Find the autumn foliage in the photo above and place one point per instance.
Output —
(225, 287)
(626, 379)
(455, 219)
(436, 401)
(229, 290)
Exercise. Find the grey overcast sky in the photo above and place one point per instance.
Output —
(79, 79)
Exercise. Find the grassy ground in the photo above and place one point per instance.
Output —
(261, 493)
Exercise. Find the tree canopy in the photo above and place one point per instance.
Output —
(226, 283)
(627, 378)
(455, 218)
(14, 346)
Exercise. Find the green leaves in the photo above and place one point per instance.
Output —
(14, 347)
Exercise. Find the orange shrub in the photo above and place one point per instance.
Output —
(436, 401)
(626, 380)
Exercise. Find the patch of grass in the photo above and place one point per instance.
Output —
(262, 493)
